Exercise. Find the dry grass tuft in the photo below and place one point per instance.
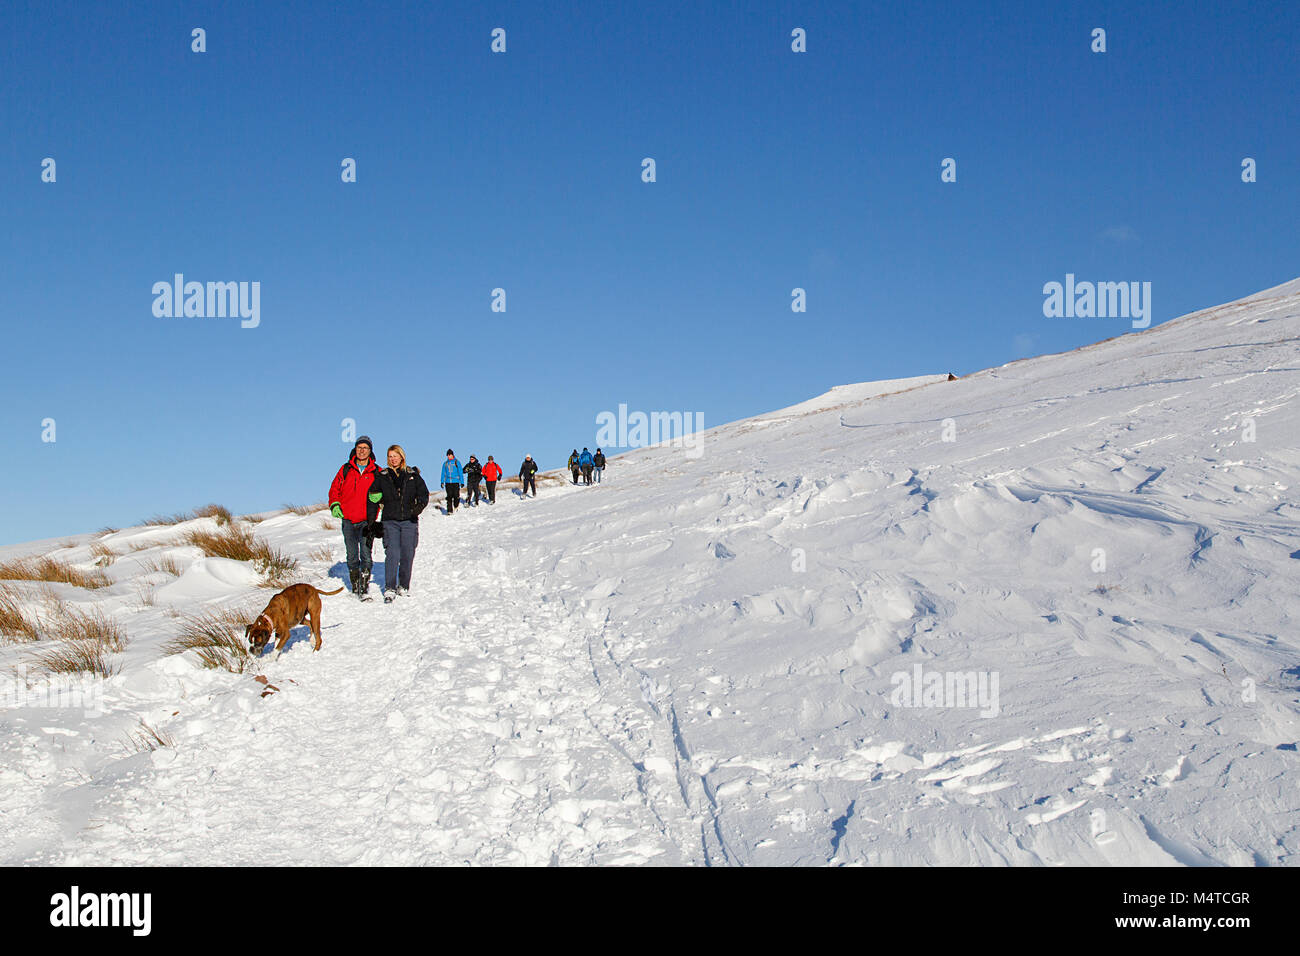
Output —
(104, 555)
(148, 739)
(145, 593)
(305, 509)
(323, 553)
(14, 624)
(238, 544)
(88, 638)
(217, 637)
(220, 513)
(105, 531)
(165, 564)
(169, 519)
(77, 657)
(51, 569)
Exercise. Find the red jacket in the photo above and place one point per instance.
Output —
(349, 488)
(491, 471)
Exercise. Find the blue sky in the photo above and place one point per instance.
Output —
(522, 170)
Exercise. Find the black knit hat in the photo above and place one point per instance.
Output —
(364, 439)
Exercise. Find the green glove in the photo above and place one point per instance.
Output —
(374, 496)
(336, 510)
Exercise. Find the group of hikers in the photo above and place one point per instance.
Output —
(361, 488)
(588, 464)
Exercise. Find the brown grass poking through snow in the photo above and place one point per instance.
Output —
(305, 509)
(322, 553)
(77, 657)
(238, 544)
(217, 638)
(145, 593)
(149, 738)
(169, 519)
(87, 639)
(51, 569)
(66, 623)
(166, 564)
(14, 624)
(221, 514)
(104, 555)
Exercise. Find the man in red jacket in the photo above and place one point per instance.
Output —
(350, 501)
(491, 474)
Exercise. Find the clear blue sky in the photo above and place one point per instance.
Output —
(522, 170)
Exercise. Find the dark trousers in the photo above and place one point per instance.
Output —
(530, 481)
(400, 541)
(492, 491)
(586, 474)
(357, 545)
(575, 474)
(472, 494)
(453, 497)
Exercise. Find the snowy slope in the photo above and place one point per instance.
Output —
(699, 661)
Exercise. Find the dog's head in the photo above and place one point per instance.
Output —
(258, 634)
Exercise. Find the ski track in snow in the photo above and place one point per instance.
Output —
(695, 662)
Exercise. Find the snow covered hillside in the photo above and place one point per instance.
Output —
(1045, 614)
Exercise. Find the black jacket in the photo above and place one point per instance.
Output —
(528, 468)
(473, 472)
(599, 459)
(405, 494)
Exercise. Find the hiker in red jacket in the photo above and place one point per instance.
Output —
(349, 501)
(491, 475)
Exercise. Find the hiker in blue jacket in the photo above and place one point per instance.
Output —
(585, 463)
(451, 478)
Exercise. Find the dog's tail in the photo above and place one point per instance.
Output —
(335, 591)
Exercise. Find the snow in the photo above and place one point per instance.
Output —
(700, 660)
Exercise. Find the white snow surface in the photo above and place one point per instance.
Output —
(698, 661)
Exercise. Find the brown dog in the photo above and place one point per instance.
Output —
(295, 605)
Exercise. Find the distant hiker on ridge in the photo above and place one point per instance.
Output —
(573, 465)
(585, 462)
(598, 464)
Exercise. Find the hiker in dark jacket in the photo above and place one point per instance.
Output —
(584, 462)
(528, 475)
(573, 465)
(403, 494)
(450, 480)
(491, 475)
(473, 475)
(598, 464)
(348, 502)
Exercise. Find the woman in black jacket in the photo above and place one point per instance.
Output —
(404, 495)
